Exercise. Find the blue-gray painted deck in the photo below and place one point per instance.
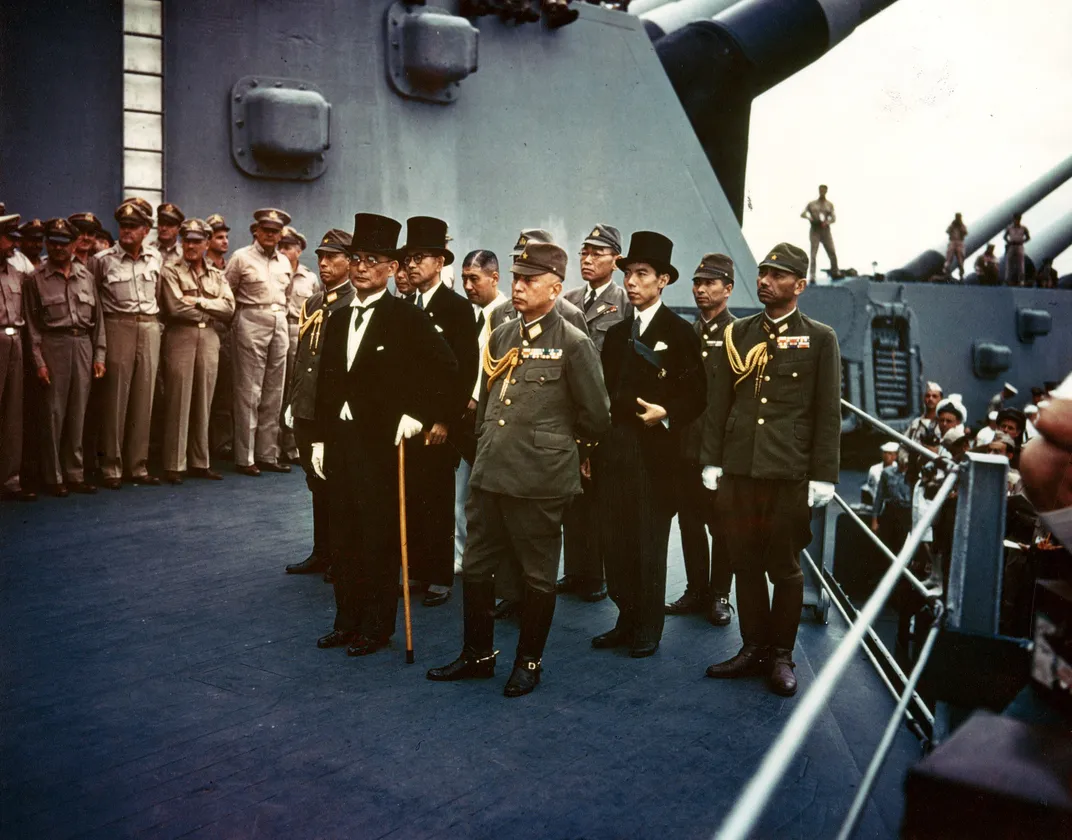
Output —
(159, 679)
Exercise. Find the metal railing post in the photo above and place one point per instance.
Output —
(977, 559)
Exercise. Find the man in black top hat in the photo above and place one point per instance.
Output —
(333, 260)
(433, 458)
(385, 375)
(655, 377)
(776, 435)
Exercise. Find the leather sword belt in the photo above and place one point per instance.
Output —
(75, 331)
(271, 307)
(131, 316)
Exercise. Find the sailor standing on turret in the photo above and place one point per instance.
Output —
(820, 214)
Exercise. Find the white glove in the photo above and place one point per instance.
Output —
(820, 493)
(407, 428)
(316, 458)
(288, 417)
(344, 412)
(710, 477)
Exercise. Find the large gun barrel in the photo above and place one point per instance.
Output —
(1050, 243)
(670, 17)
(718, 65)
(989, 225)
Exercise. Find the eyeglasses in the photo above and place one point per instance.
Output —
(415, 258)
(371, 260)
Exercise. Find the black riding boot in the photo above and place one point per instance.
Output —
(477, 659)
(536, 614)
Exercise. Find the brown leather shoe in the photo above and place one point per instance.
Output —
(268, 466)
(749, 660)
(252, 470)
(721, 610)
(58, 490)
(145, 480)
(205, 472)
(112, 483)
(173, 476)
(782, 680)
(82, 487)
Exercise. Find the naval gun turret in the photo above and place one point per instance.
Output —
(1047, 245)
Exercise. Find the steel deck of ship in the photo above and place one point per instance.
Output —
(159, 679)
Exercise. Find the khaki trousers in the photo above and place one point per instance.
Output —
(11, 394)
(822, 235)
(261, 341)
(127, 405)
(191, 360)
(70, 367)
(221, 427)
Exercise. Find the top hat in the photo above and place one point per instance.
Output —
(426, 233)
(375, 233)
(647, 246)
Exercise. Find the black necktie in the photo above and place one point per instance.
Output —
(589, 298)
(420, 301)
(480, 321)
(636, 329)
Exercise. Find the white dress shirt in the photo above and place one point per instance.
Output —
(484, 335)
(426, 297)
(646, 316)
(353, 340)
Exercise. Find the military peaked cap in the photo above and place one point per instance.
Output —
(715, 267)
(169, 214)
(61, 231)
(85, 222)
(540, 258)
(194, 229)
(216, 222)
(530, 235)
(605, 236)
(786, 257)
(270, 217)
(136, 211)
(335, 241)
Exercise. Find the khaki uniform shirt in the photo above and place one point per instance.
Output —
(820, 211)
(258, 279)
(11, 280)
(303, 284)
(169, 255)
(55, 302)
(126, 285)
(215, 300)
(957, 231)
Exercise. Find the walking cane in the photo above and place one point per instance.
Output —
(405, 548)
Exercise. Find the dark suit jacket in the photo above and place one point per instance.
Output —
(714, 357)
(452, 316)
(790, 427)
(301, 390)
(403, 366)
(678, 385)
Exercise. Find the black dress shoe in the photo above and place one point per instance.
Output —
(617, 637)
(782, 680)
(469, 666)
(253, 471)
(205, 472)
(173, 476)
(434, 599)
(505, 609)
(18, 496)
(749, 660)
(308, 566)
(276, 468)
(363, 646)
(329, 576)
(82, 487)
(642, 650)
(524, 678)
(688, 604)
(58, 490)
(112, 483)
(592, 590)
(720, 612)
(568, 583)
(336, 638)
(145, 480)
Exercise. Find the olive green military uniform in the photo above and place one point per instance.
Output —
(776, 425)
(316, 311)
(191, 358)
(12, 324)
(67, 334)
(303, 285)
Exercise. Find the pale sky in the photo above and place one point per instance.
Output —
(932, 107)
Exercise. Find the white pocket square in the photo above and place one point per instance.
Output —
(659, 345)
(379, 348)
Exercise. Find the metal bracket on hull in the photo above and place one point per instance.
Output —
(429, 51)
(280, 128)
